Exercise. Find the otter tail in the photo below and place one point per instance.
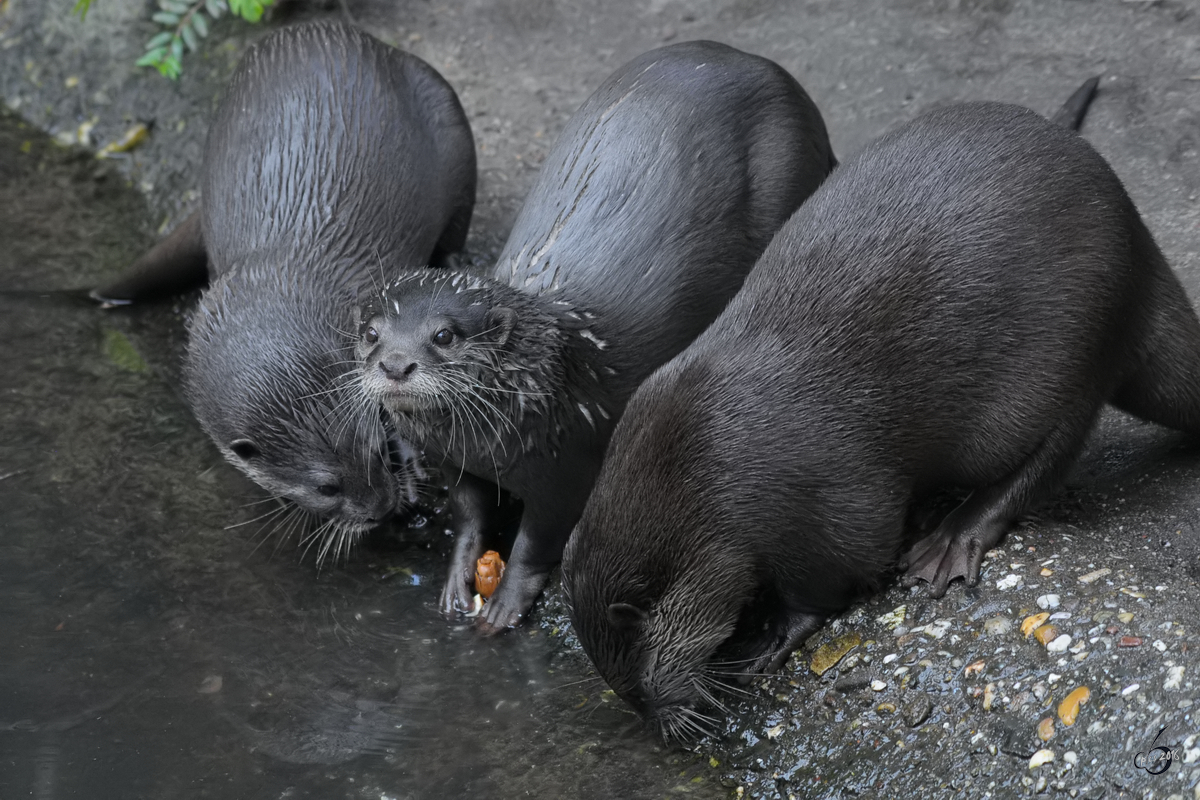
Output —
(1072, 112)
(174, 265)
(1164, 386)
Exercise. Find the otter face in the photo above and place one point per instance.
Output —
(270, 384)
(426, 341)
(664, 639)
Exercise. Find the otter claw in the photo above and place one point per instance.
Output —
(939, 559)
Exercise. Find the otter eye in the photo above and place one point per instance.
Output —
(371, 336)
(244, 449)
(329, 489)
(443, 337)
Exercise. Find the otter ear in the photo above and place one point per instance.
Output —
(500, 322)
(626, 616)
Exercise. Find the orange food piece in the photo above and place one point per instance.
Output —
(1068, 709)
(1045, 729)
(1046, 634)
(489, 569)
(1033, 622)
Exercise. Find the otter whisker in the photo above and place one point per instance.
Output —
(272, 512)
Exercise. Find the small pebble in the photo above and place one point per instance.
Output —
(1130, 689)
(1071, 758)
(974, 668)
(1048, 601)
(1045, 729)
(893, 617)
(1046, 573)
(1125, 617)
(917, 709)
(1174, 678)
(1095, 576)
(997, 626)
(1159, 645)
(989, 696)
(1129, 641)
(1010, 581)
(1041, 757)
(1060, 644)
(878, 685)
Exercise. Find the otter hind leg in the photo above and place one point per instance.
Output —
(956, 548)
(1164, 387)
(176, 264)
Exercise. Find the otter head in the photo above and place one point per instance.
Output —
(662, 598)
(429, 338)
(268, 374)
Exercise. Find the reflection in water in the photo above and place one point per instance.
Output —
(153, 653)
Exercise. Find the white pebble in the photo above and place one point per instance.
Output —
(878, 685)
(1159, 645)
(1048, 601)
(1059, 645)
(890, 657)
(1174, 678)
(1041, 757)
(1010, 581)
(1130, 689)
(1071, 757)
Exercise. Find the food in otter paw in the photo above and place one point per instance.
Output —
(489, 569)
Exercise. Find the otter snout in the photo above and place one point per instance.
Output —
(396, 369)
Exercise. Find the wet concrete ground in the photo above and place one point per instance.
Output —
(119, 504)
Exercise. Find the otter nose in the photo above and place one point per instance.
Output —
(398, 371)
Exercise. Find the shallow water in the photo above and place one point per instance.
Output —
(149, 650)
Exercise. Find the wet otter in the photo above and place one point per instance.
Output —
(333, 162)
(653, 204)
(952, 307)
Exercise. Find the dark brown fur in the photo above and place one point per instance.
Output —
(333, 162)
(661, 192)
(952, 307)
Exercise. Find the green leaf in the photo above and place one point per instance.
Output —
(162, 40)
(121, 352)
(166, 18)
(176, 50)
(174, 7)
(200, 24)
(215, 8)
(81, 8)
(189, 37)
(152, 57)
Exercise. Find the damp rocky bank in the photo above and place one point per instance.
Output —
(901, 696)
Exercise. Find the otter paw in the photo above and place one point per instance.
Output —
(498, 616)
(940, 558)
(457, 598)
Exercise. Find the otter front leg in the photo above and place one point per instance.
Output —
(472, 505)
(955, 549)
(539, 546)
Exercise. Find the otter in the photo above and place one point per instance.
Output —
(953, 306)
(333, 162)
(652, 206)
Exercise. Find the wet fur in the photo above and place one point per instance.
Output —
(333, 162)
(953, 306)
(657, 198)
